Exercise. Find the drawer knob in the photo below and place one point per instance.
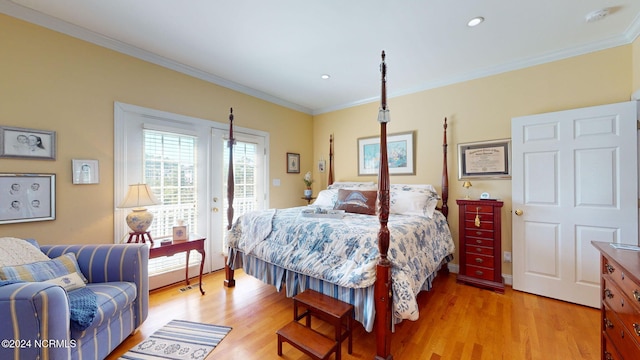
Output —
(479, 260)
(480, 250)
(479, 241)
(608, 294)
(608, 356)
(636, 328)
(610, 268)
(608, 324)
(479, 273)
(478, 232)
(636, 295)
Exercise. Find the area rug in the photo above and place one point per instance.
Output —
(179, 339)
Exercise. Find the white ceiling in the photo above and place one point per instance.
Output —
(278, 49)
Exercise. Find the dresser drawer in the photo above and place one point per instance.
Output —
(479, 233)
(615, 273)
(479, 272)
(480, 209)
(474, 241)
(609, 352)
(479, 260)
(619, 335)
(470, 225)
(627, 311)
(487, 251)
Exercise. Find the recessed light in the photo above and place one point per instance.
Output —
(325, 76)
(475, 21)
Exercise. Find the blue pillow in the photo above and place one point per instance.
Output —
(43, 270)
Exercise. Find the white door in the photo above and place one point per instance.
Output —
(574, 181)
(250, 179)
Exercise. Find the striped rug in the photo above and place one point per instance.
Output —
(179, 339)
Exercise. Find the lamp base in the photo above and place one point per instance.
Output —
(139, 237)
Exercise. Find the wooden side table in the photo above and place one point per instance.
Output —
(194, 243)
(309, 199)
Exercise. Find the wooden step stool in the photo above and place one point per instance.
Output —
(307, 340)
(326, 308)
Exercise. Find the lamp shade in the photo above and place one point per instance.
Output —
(139, 195)
(466, 184)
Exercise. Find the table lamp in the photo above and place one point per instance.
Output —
(139, 220)
(467, 185)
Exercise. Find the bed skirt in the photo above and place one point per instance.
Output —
(362, 299)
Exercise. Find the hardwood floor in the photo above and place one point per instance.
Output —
(456, 322)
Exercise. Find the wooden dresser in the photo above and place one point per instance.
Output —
(620, 302)
(480, 244)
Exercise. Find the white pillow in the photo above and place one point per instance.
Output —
(69, 282)
(14, 251)
(326, 198)
(409, 199)
(367, 185)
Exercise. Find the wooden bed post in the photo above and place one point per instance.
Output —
(382, 290)
(228, 272)
(330, 180)
(445, 174)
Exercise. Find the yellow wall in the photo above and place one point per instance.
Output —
(476, 110)
(636, 65)
(50, 81)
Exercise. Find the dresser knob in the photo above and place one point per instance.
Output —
(636, 295)
(478, 232)
(479, 261)
(610, 268)
(608, 294)
(479, 249)
(478, 241)
(636, 328)
(608, 323)
(608, 356)
(479, 273)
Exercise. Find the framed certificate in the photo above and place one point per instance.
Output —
(486, 159)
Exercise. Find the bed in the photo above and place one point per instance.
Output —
(339, 247)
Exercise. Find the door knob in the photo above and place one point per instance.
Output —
(215, 209)
(519, 212)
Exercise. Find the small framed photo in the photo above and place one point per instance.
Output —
(85, 171)
(20, 143)
(485, 159)
(27, 197)
(180, 233)
(293, 163)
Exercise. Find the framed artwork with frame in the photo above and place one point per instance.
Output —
(401, 153)
(27, 197)
(21, 143)
(85, 171)
(293, 163)
(485, 160)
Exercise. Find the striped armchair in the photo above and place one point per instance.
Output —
(40, 315)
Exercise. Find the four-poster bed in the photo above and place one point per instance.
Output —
(339, 257)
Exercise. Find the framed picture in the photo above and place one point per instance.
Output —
(85, 171)
(400, 152)
(293, 163)
(485, 159)
(22, 143)
(27, 197)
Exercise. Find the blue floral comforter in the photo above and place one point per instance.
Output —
(345, 251)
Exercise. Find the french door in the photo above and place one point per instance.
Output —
(183, 160)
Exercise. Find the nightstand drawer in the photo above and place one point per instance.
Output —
(479, 233)
(470, 225)
(487, 251)
(480, 272)
(480, 209)
(473, 241)
(619, 335)
(479, 260)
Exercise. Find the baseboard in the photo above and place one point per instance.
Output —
(508, 279)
